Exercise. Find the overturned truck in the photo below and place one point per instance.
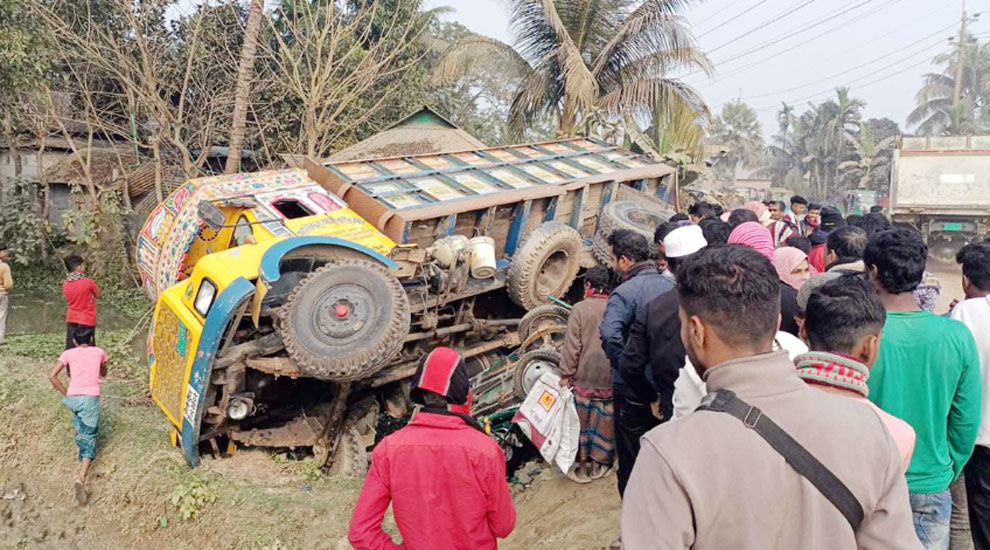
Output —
(293, 305)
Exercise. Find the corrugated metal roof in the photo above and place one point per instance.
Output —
(422, 132)
(413, 181)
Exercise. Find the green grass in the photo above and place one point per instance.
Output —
(248, 502)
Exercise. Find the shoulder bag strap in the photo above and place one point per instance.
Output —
(797, 456)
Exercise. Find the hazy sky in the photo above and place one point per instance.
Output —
(798, 51)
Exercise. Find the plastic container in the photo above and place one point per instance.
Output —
(445, 250)
(482, 257)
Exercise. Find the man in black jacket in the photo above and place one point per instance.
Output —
(654, 345)
(641, 282)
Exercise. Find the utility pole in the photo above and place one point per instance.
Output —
(957, 92)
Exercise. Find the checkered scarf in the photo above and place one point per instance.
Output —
(833, 369)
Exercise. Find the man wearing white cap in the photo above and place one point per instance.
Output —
(654, 353)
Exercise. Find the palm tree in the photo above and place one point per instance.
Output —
(936, 112)
(588, 61)
(738, 129)
(843, 121)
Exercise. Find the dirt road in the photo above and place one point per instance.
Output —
(950, 277)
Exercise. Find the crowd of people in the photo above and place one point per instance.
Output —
(857, 407)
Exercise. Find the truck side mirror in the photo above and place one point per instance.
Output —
(211, 215)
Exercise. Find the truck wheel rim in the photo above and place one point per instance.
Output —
(552, 272)
(343, 312)
(534, 370)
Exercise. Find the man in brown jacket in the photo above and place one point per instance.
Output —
(584, 366)
(708, 481)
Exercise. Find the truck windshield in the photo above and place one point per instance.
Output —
(291, 209)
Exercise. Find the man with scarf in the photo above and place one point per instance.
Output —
(444, 476)
(843, 328)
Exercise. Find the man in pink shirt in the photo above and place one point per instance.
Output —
(843, 325)
(443, 475)
(88, 364)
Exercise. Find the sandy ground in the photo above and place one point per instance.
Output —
(557, 513)
(950, 277)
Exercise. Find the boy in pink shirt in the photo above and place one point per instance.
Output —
(87, 364)
(843, 325)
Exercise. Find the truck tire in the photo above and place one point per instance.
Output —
(531, 366)
(345, 321)
(600, 250)
(541, 316)
(545, 265)
(633, 216)
(351, 457)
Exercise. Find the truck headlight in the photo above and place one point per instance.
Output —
(204, 298)
(239, 409)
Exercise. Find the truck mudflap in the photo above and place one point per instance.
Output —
(223, 311)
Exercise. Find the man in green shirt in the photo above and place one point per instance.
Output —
(927, 374)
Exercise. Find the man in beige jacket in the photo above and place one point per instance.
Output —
(707, 481)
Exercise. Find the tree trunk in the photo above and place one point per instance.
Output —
(156, 150)
(46, 191)
(242, 94)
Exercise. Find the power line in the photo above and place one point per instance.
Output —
(731, 19)
(799, 44)
(797, 32)
(850, 83)
(761, 26)
(846, 8)
(861, 65)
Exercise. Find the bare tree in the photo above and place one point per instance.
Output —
(328, 57)
(245, 72)
(130, 86)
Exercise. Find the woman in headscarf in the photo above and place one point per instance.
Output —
(755, 236)
(792, 266)
(761, 211)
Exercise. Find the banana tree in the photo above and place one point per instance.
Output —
(872, 161)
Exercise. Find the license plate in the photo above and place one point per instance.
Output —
(952, 227)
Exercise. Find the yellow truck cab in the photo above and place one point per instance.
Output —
(211, 254)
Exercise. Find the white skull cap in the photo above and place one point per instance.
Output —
(684, 241)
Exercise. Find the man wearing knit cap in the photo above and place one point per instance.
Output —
(811, 285)
(830, 220)
(443, 475)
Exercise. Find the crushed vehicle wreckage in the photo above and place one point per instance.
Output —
(293, 305)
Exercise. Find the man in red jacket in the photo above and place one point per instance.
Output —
(81, 293)
(444, 476)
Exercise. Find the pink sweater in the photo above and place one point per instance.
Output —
(901, 431)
